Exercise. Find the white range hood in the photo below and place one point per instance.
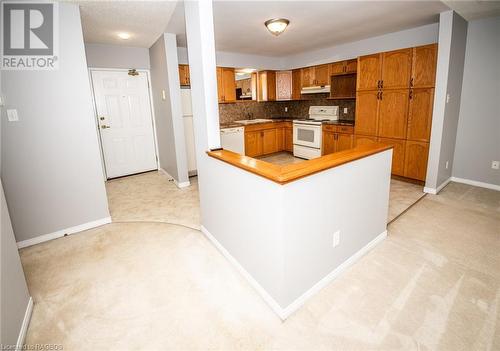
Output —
(316, 90)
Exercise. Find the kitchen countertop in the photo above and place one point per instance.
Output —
(278, 120)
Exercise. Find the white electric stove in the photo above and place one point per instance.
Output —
(307, 132)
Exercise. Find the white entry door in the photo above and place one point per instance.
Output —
(125, 122)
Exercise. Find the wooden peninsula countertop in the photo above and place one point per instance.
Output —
(289, 173)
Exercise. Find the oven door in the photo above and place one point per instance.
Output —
(307, 135)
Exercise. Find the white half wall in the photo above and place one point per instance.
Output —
(165, 87)
(478, 135)
(51, 165)
(449, 75)
(114, 56)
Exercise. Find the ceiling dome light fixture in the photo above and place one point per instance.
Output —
(277, 25)
(123, 35)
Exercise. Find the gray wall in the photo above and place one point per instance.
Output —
(168, 112)
(114, 56)
(51, 167)
(14, 293)
(478, 136)
(449, 75)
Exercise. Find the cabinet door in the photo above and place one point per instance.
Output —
(369, 72)
(271, 85)
(344, 142)
(220, 87)
(296, 84)
(229, 83)
(396, 69)
(367, 106)
(398, 154)
(307, 77)
(289, 139)
(393, 113)
(364, 139)
(321, 75)
(280, 139)
(269, 144)
(328, 143)
(337, 67)
(283, 85)
(351, 66)
(253, 143)
(416, 159)
(424, 66)
(184, 75)
(420, 114)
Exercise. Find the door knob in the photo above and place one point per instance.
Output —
(105, 127)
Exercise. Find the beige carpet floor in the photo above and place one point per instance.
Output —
(433, 284)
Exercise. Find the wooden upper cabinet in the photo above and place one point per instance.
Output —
(307, 77)
(416, 156)
(369, 72)
(283, 85)
(398, 154)
(351, 66)
(396, 69)
(220, 87)
(424, 66)
(337, 67)
(393, 113)
(229, 84)
(184, 78)
(296, 84)
(267, 86)
(420, 114)
(367, 108)
(321, 75)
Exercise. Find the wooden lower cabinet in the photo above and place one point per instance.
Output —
(416, 155)
(344, 142)
(288, 139)
(253, 143)
(269, 142)
(364, 139)
(420, 114)
(367, 106)
(328, 143)
(398, 154)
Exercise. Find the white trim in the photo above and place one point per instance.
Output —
(63, 232)
(435, 191)
(24, 326)
(284, 313)
(476, 183)
(177, 184)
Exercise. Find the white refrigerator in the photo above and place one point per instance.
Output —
(187, 116)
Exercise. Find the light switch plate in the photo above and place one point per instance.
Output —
(345, 109)
(163, 95)
(2, 103)
(495, 164)
(12, 115)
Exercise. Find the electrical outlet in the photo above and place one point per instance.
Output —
(345, 109)
(447, 164)
(12, 115)
(495, 164)
(286, 108)
(336, 238)
(163, 95)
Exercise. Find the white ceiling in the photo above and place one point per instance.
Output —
(239, 25)
(143, 20)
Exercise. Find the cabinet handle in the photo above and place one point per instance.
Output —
(378, 95)
(411, 94)
(381, 95)
(378, 84)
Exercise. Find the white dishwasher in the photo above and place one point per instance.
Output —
(233, 139)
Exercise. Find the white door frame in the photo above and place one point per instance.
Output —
(96, 117)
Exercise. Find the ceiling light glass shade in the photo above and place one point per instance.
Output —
(123, 35)
(277, 26)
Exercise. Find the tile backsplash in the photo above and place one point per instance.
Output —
(276, 109)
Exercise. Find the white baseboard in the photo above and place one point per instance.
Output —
(61, 233)
(476, 183)
(435, 191)
(284, 313)
(177, 184)
(25, 325)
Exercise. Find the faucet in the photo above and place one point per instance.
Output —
(249, 115)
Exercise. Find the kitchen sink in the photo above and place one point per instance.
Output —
(253, 121)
